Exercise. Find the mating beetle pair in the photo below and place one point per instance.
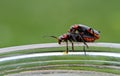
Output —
(78, 33)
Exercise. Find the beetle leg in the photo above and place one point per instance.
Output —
(66, 46)
(84, 50)
(72, 46)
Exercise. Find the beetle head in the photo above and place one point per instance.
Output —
(73, 28)
(62, 38)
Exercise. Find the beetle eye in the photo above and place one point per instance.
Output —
(90, 29)
(59, 41)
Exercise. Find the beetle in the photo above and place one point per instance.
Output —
(78, 33)
(91, 33)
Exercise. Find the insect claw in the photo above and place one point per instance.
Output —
(65, 52)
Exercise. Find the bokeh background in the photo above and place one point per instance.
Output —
(29, 21)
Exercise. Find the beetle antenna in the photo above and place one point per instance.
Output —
(54, 37)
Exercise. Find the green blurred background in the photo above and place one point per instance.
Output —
(28, 21)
